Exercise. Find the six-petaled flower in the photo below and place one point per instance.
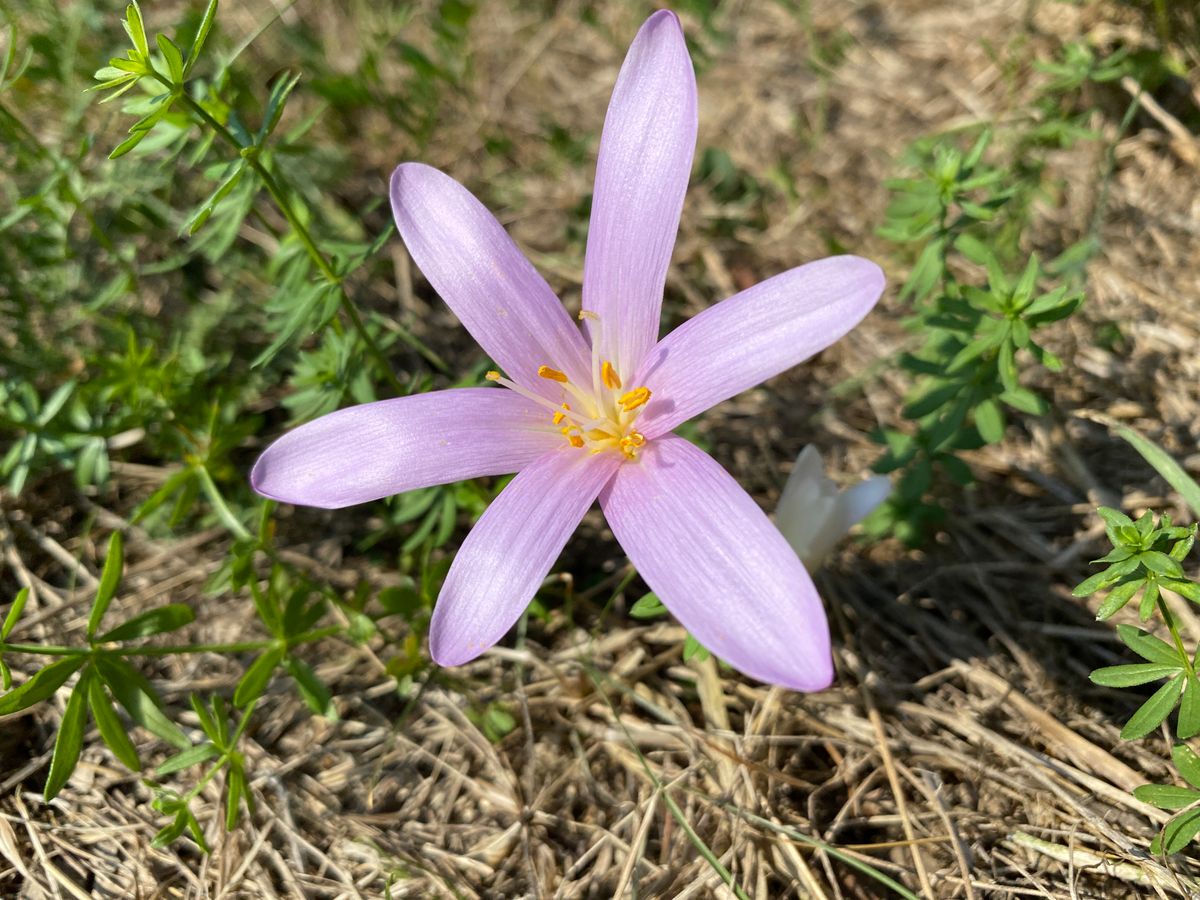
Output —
(586, 413)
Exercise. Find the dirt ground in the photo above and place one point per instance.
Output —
(962, 750)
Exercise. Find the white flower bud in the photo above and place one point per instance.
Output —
(814, 515)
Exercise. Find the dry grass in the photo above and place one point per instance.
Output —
(962, 750)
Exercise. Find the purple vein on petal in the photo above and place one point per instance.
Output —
(754, 335)
(641, 176)
(485, 279)
(378, 449)
(510, 551)
(716, 561)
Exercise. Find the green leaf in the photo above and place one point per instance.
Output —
(5, 675)
(1118, 597)
(1135, 673)
(128, 144)
(1188, 763)
(202, 30)
(989, 419)
(111, 728)
(205, 210)
(138, 698)
(173, 57)
(1160, 563)
(1170, 470)
(136, 29)
(925, 274)
(110, 578)
(235, 789)
(197, 833)
(1023, 292)
(256, 677)
(693, 649)
(1024, 400)
(70, 737)
(1152, 713)
(55, 403)
(275, 103)
(648, 607)
(1188, 723)
(312, 689)
(43, 684)
(1149, 600)
(1097, 582)
(14, 613)
(1187, 589)
(1148, 647)
(1166, 796)
(154, 621)
(1179, 832)
(186, 759)
(170, 833)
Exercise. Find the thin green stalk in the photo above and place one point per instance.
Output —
(801, 838)
(220, 761)
(1110, 166)
(676, 813)
(238, 647)
(301, 231)
(224, 513)
(1169, 618)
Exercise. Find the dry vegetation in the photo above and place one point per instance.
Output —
(962, 750)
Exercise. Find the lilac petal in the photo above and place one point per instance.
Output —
(485, 279)
(641, 176)
(378, 449)
(754, 335)
(716, 561)
(510, 550)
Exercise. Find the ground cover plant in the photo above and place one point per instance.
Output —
(211, 692)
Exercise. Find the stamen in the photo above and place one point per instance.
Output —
(575, 441)
(492, 375)
(630, 443)
(552, 374)
(633, 399)
(609, 376)
(559, 416)
(588, 314)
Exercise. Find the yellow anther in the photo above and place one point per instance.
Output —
(559, 416)
(609, 376)
(552, 374)
(492, 375)
(630, 443)
(588, 314)
(635, 398)
(575, 441)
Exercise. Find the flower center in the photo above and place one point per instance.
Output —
(597, 417)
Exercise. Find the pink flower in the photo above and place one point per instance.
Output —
(587, 417)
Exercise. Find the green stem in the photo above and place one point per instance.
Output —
(220, 761)
(300, 229)
(1169, 618)
(238, 647)
(1110, 166)
(224, 513)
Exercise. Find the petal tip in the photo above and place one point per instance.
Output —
(449, 651)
